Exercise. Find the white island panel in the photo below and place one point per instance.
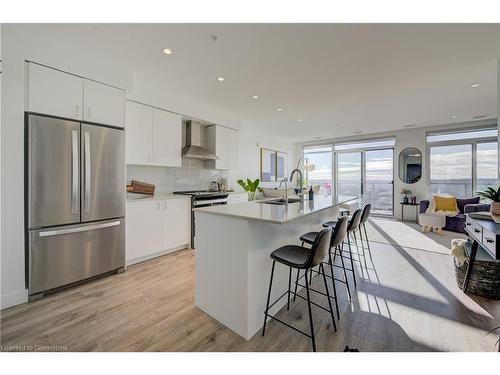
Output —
(233, 262)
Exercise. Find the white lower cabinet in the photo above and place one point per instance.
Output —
(155, 227)
(176, 223)
(143, 234)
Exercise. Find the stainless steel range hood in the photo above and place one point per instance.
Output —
(193, 149)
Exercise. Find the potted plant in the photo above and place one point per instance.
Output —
(405, 192)
(493, 195)
(250, 187)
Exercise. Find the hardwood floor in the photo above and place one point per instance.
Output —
(407, 300)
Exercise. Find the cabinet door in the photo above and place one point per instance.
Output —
(221, 148)
(103, 104)
(138, 133)
(233, 148)
(167, 138)
(176, 223)
(143, 229)
(54, 93)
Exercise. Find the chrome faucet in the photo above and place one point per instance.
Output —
(285, 180)
(296, 170)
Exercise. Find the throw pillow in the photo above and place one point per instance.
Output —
(445, 203)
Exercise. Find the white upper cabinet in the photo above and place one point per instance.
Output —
(167, 138)
(224, 143)
(232, 148)
(54, 92)
(138, 133)
(103, 104)
(154, 136)
(57, 93)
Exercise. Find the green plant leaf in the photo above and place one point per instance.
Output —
(242, 184)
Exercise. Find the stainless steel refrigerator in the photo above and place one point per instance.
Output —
(75, 202)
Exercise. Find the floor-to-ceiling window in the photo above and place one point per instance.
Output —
(462, 162)
(318, 168)
(366, 168)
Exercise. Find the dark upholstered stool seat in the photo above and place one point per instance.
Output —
(309, 237)
(291, 255)
(332, 224)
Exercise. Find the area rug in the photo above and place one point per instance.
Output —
(407, 234)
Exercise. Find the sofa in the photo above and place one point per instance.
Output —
(465, 206)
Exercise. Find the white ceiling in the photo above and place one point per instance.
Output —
(339, 78)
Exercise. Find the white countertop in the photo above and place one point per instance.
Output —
(134, 197)
(277, 214)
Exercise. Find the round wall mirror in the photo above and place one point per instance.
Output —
(410, 165)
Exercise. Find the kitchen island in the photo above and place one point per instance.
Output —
(232, 255)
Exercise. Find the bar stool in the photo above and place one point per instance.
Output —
(351, 229)
(301, 258)
(338, 236)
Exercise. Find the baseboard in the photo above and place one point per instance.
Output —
(155, 255)
(14, 298)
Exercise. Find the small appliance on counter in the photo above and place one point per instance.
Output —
(214, 186)
(139, 187)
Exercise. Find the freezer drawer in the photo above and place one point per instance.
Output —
(63, 255)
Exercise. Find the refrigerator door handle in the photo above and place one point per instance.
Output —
(74, 171)
(87, 172)
(79, 229)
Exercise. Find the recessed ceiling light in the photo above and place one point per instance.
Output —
(453, 117)
(326, 134)
(220, 79)
(474, 85)
(410, 126)
(280, 109)
(255, 97)
(299, 120)
(167, 51)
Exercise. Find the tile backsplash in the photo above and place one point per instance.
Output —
(191, 176)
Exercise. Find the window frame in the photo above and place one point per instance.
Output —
(472, 141)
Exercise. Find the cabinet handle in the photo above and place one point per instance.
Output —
(489, 240)
(165, 205)
(467, 223)
(77, 110)
(476, 231)
(88, 113)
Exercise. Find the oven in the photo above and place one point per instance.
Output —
(202, 199)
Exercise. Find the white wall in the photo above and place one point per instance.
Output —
(250, 143)
(31, 42)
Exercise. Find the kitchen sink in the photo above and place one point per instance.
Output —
(280, 201)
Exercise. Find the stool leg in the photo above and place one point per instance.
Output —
(367, 242)
(289, 287)
(296, 283)
(362, 246)
(322, 269)
(352, 261)
(345, 272)
(310, 314)
(268, 298)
